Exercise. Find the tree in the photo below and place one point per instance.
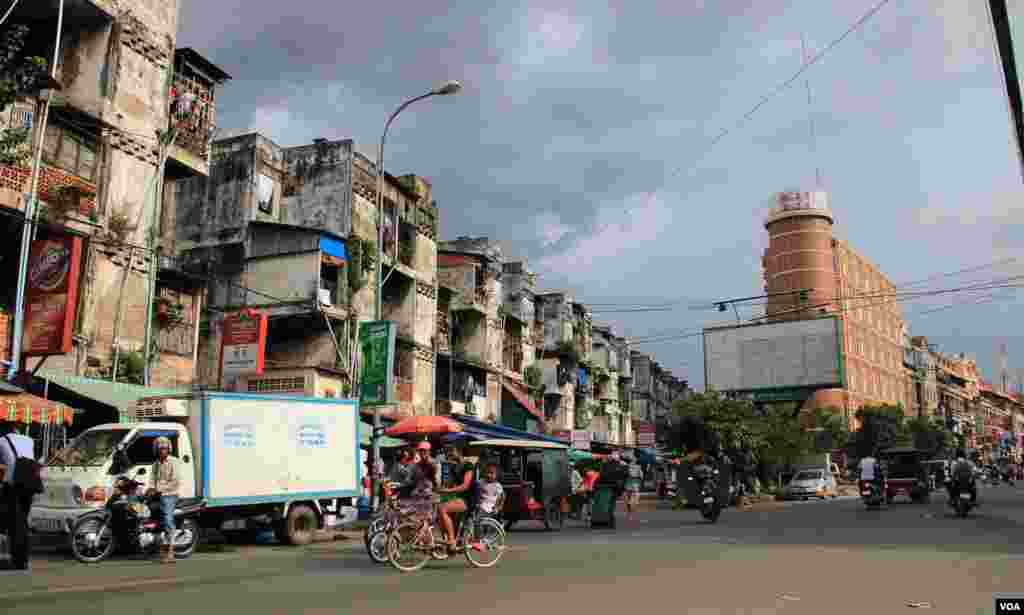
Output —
(834, 431)
(20, 75)
(881, 427)
(709, 421)
(931, 436)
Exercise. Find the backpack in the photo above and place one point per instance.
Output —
(27, 472)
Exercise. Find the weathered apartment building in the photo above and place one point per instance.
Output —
(655, 391)
(487, 336)
(292, 233)
(612, 374)
(100, 177)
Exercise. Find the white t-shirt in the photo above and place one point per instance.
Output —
(23, 446)
(867, 468)
(490, 493)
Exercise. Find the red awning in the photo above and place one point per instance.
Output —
(523, 397)
(28, 408)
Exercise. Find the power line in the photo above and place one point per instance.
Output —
(786, 84)
(9, 11)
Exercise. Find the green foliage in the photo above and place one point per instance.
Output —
(835, 429)
(567, 350)
(534, 375)
(583, 416)
(882, 427)
(931, 436)
(19, 75)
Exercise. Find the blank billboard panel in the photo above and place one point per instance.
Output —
(800, 353)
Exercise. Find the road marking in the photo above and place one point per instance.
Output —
(104, 588)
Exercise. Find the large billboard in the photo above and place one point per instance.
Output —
(798, 354)
(51, 295)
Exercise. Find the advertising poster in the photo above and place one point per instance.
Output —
(377, 343)
(243, 345)
(51, 295)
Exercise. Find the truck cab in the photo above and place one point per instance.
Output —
(80, 478)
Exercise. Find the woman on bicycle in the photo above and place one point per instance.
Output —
(461, 494)
(421, 485)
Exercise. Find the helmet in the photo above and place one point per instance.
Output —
(423, 446)
(161, 442)
(960, 453)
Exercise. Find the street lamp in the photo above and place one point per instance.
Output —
(446, 88)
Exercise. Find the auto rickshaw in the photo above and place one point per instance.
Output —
(535, 476)
(906, 474)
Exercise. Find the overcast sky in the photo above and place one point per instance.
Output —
(581, 139)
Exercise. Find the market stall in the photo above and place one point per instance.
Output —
(43, 420)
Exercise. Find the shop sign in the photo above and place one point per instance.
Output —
(51, 295)
(243, 345)
(377, 379)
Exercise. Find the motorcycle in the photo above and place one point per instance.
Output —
(130, 522)
(707, 489)
(871, 494)
(962, 502)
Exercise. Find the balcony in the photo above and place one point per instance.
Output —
(193, 109)
(443, 332)
(512, 354)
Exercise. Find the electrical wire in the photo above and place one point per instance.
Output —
(9, 11)
(786, 84)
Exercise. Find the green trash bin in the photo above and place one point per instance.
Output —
(602, 507)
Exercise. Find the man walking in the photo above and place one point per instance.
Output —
(165, 482)
(17, 503)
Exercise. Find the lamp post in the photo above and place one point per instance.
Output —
(446, 88)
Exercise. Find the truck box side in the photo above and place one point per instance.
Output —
(261, 449)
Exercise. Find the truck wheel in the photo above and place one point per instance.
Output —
(300, 525)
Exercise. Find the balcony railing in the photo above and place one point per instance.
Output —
(194, 114)
(443, 332)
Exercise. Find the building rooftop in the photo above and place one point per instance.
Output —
(797, 204)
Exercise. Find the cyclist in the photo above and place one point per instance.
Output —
(462, 494)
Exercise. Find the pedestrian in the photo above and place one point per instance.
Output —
(578, 495)
(634, 477)
(17, 501)
(165, 484)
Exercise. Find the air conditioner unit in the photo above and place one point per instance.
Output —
(324, 296)
(158, 407)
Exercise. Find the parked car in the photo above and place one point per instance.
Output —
(811, 484)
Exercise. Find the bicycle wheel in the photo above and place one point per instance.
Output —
(377, 546)
(409, 547)
(485, 543)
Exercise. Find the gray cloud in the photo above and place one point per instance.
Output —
(581, 139)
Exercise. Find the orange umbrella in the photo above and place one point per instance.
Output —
(423, 426)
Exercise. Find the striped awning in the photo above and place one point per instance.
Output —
(27, 408)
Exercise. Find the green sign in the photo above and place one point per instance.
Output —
(377, 380)
(781, 394)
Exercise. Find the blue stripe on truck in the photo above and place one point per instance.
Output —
(205, 444)
(274, 499)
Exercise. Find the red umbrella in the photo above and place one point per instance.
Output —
(423, 426)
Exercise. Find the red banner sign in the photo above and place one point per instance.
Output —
(243, 345)
(51, 295)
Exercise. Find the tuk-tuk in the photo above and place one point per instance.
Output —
(906, 473)
(535, 476)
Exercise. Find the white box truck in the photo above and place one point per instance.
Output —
(257, 461)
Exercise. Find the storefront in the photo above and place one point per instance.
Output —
(45, 421)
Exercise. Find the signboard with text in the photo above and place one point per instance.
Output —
(243, 345)
(51, 295)
(377, 380)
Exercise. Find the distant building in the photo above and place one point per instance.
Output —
(803, 254)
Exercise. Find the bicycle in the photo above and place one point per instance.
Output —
(476, 534)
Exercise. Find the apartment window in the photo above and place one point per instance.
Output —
(71, 151)
(278, 385)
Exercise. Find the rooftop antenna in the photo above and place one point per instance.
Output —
(810, 116)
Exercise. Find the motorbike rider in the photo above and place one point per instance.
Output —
(962, 474)
(871, 470)
(165, 486)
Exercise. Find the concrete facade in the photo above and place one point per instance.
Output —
(802, 255)
(115, 63)
(490, 316)
(265, 222)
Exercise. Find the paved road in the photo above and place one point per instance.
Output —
(831, 557)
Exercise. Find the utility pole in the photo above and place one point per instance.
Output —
(28, 227)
